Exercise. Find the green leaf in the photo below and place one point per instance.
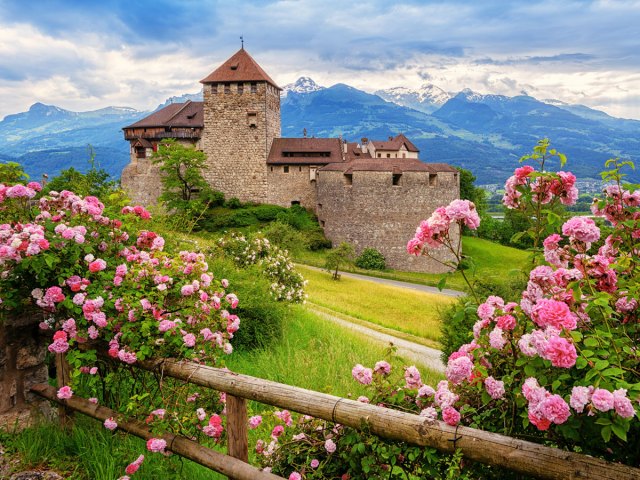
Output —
(612, 372)
(442, 283)
(606, 433)
(601, 364)
(591, 342)
(619, 431)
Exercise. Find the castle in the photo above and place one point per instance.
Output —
(371, 193)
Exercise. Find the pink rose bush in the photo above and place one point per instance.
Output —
(101, 281)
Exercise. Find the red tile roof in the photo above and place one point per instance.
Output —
(354, 152)
(395, 165)
(189, 114)
(241, 67)
(304, 151)
(394, 144)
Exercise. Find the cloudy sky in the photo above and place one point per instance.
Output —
(87, 54)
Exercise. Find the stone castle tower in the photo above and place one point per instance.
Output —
(241, 118)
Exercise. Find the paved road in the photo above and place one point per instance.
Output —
(397, 283)
(430, 357)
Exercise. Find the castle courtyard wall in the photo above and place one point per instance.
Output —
(295, 186)
(367, 210)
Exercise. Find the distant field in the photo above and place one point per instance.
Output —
(407, 311)
(492, 262)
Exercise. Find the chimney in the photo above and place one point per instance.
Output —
(364, 140)
(390, 138)
(304, 133)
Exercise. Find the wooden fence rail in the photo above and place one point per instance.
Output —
(227, 465)
(485, 447)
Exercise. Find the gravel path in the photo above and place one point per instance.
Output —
(396, 283)
(429, 357)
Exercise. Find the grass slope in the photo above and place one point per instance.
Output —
(408, 311)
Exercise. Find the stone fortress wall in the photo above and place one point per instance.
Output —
(367, 210)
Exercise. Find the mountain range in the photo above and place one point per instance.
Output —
(483, 133)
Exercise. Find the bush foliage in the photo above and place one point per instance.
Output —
(371, 259)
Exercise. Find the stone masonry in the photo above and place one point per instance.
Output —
(22, 354)
(367, 210)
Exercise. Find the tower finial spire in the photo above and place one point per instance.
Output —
(242, 42)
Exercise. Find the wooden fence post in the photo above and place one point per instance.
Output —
(65, 415)
(237, 428)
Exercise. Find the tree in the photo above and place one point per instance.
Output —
(96, 182)
(11, 173)
(182, 174)
(469, 191)
(337, 257)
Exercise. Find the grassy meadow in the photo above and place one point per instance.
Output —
(407, 311)
(490, 262)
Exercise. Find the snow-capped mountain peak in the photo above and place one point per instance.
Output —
(302, 85)
(427, 98)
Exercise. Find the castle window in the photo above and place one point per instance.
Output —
(254, 87)
(299, 169)
(272, 169)
(396, 179)
(433, 180)
(252, 119)
(227, 88)
(141, 152)
(295, 202)
(388, 155)
(348, 179)
(241, 88)
(379, 155)
(322, 223)
(285, 169)
(214, 88)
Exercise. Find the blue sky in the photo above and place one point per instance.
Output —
(88, 54)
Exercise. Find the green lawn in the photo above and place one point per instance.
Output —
(319, 355)
(493, 262)
(408, 311)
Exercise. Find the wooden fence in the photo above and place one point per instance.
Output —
(485, 447)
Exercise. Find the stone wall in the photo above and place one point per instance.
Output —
(367, 210)
(22, 354)
(142, 180)
(295, 186)
(237, 135)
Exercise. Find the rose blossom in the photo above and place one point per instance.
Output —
(330, 446)
(156, 445)
(65, 393)
(110, 424)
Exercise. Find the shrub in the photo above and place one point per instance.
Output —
(371, 259)
(261, 315)
(285, 236)
(267, 213)
(286, 283)
(233, 203)
(298, 218)
(315, 239)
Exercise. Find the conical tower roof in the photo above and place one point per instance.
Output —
(241, 67)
